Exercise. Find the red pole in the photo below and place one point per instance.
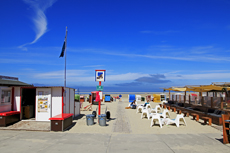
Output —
(99, 103)
(99, 107)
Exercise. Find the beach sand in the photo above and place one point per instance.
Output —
(128, 121)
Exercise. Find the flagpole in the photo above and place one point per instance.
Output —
(65, 70)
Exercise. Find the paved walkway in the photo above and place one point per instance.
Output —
(121, 124)
(54, 142)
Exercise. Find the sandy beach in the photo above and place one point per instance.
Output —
(128, 121)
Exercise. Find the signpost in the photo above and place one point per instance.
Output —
(100, 77)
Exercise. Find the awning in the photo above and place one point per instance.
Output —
(178, 89)
(207, 88)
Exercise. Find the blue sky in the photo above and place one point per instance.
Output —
(142, 44)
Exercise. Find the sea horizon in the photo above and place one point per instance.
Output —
(122, 92)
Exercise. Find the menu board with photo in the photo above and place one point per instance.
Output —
(42, 102)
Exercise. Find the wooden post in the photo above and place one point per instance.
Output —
(222, 103)
(189, 99)
(184, 96)
(202, 101)
(169, 95)
(211, 102)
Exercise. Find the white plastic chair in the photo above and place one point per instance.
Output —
(141, 107)
(148, 106)
(157, 109)
(154, 118)
(147, 113)
(177, 120)
(164, 113)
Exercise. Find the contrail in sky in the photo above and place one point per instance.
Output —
(39, 19)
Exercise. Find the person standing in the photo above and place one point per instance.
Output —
(120, 98)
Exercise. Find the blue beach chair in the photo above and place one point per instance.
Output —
(131, 99)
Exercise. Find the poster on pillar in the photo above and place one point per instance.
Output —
(100, 75)
(43, 104)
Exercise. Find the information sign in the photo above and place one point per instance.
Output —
(99, 88)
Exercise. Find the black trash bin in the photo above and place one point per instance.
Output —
(102, 119)
(90, 119)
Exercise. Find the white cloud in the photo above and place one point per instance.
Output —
(39, 19)
(207, 76)
(82, 75)
(202, 76)
(60, 74)
(126, 76)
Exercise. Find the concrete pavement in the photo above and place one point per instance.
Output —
(126, 132)
(36, 142)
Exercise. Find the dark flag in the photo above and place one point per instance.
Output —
(63, 50)
(64, 45)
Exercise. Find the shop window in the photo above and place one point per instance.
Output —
(5, 96)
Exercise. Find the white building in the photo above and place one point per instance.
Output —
(36, 103)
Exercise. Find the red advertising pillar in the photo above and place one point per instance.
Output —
(99, 103)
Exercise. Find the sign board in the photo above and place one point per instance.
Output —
(100, 88)
(100, 75)
(43, 104)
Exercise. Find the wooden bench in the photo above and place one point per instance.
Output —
(173, 109)
(164, 106)
(10, 117)
(178, 111)
(61, 122)
(207, 119)
(186, 113)
(195, 116)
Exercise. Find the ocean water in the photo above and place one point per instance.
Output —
(84, 93)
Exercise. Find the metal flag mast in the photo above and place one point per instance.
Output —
(65, 72)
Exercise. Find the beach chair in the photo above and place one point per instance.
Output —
(131, 99)
(146, 113)
(156, 117)
(138, 98)
(164, 113)
(86, 108)
(157, 109)
(141, 107)
(177, 120)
